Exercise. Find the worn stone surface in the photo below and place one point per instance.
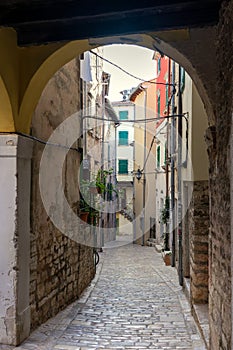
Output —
(137, 303)
(60, 267)
(220, 165)
(199, 236)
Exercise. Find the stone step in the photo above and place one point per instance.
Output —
(150, 243)
(158, 248)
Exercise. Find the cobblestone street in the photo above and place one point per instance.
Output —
(135, 302)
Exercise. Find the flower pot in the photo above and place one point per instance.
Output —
(167, 259)
(84, 216)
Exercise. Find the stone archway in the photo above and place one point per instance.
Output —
(50, 60)
(146, 41)
(196, 53)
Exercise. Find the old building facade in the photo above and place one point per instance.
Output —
(60, 268)
(24, 73)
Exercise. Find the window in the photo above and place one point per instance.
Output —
(158, 104)
(158, 157)
(123, 138)
(123, 166)
(165, 153)
(182, 79)
(123, 115)
(159, 65)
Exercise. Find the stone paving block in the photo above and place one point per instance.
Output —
(135, 303)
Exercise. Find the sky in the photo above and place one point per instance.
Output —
(134, 59)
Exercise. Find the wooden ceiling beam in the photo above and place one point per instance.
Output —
(39, 22)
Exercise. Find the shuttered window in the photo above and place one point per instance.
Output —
(123, 138)
(158, 157)
(158, 104)
(123, 166)
(159, 65)
(182, 78)
(123, 115)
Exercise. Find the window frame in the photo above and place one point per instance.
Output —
(123, 111)
(122, 143)
(158, 157)
(126, 165)
(158, 103)
(159, 65)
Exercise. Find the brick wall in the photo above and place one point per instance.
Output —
(199, 235)
(60, 268)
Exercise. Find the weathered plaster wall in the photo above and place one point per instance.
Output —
(15, 175)
(60, 267)
(220, 165)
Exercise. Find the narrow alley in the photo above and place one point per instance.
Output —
(134, 302)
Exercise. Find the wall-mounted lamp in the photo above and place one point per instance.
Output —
(138, 174)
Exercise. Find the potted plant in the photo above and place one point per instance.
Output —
(167, 257)
(94, 217)
(165, 212)
(83, 210)
(102, 185)
(165, 215)
(101, 180)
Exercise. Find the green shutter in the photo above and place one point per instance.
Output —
(159, 65)
(123, 115)
(158, 104)
(158, 157)
(165, 153)
(123, 166)
(123, 138)
(182, 78)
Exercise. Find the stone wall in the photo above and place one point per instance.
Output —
(60, 268)
(220, 167)
(186, 200)
(199, 235)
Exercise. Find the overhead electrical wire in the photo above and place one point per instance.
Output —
(152, 119)
(128, 73)
(147, 120)
(34, 138)
(151, 145)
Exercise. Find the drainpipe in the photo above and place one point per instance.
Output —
(134, 220)
(180, 111)
(102, 166)
(167, 244)
(115, 178)
(134, 190)
(173, 145)
(144, 172)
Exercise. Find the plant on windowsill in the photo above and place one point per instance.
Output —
(104, 187)
(101, 179)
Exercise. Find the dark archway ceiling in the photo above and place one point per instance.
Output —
(39, 22)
